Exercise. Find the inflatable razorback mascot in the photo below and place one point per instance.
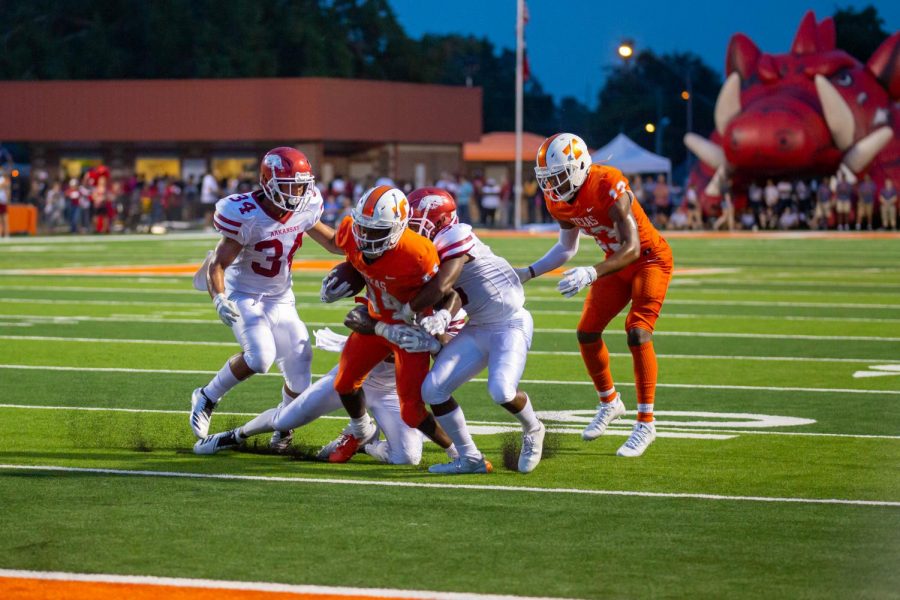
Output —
(809, 113)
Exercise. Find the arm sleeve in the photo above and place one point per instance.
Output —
(559, 254)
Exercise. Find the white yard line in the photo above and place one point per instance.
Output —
(694, 386)
(257, 586)
(670, 301)
(571, 429)
(569, 330)
(46, 338)
(449, 486)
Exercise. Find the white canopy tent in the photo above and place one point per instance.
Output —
(628, 157)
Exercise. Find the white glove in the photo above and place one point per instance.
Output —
(391, 333)
(405, 314)
(575, 280)
(333, 289)
(524, 274)
(227, 309)
(437, 323)
(413, 339)
(329, 341)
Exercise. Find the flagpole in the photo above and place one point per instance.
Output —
(517, 184)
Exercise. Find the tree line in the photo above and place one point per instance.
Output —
(143, 39)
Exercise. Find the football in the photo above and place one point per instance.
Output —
(346, 272)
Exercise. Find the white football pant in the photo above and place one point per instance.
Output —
(501, 347)
(270, 332)
(319, 399)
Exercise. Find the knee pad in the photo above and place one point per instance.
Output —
(405, 456)
(432, 392)
(413, 413)
(297, 370)
(501, 390)
(259, 361)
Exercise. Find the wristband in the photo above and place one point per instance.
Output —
(531, 271)
(380, 326)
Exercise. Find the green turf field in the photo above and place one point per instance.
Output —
(776, 472)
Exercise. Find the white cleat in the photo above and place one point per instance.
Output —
(380, 450)
(201, 413)
(281, 440)
(641, 436)
(606, 414)
(532, 448)
(219, 441)
(462, 466)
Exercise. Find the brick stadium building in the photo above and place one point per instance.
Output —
(187, 127)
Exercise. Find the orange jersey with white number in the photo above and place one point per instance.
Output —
(589, 210)
(396, 276)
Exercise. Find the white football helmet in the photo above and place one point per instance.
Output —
(379, 218)
(563, 162)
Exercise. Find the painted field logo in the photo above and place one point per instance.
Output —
(672, 423)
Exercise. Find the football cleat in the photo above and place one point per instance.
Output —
(201, 413)
(379, 450)
(532, 448)
(281, 440)
(641, 436)
(463, 466)
(219, 441)
(346, 445)
(606, 414)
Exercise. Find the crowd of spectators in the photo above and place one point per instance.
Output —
(99, 203)
(828, 203)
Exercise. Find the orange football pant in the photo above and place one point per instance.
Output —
(643, 283)
(363, 352)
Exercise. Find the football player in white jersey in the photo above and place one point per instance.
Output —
(497, 335)
(403, 444)
(248, 277)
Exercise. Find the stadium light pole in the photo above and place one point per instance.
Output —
(520, 52)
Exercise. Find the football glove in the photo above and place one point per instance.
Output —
(437, 323)
(413, 339)
(334, 289)
(227, 310)
(391, 333)
(575, 280)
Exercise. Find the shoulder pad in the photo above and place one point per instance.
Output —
(453, 241)
(234, 215)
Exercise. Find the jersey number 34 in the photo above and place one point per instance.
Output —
(273, 261)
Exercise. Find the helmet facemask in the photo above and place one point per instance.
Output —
(373, 238)
(291, 194)
(558, 183)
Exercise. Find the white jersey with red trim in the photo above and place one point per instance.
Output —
(264, 265)
(490, 290)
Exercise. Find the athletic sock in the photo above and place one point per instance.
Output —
(360, 427)
(527, 417)
(607, 396)
(596, 360)
(454, 423)
(221, 383)
(645, 373)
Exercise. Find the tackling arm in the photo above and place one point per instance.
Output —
(325, 237)
(438, 289)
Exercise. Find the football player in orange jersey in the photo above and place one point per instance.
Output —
(395, 263)
(596, 199)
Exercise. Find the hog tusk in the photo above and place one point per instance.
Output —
(864, 151)
(728, 104)
(837, 114)
(709, 152)
(714, 186)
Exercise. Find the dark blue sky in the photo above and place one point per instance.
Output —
(570, 43)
